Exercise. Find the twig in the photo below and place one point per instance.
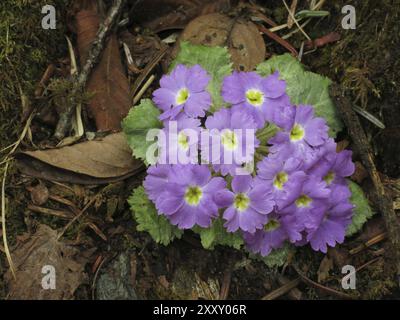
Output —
(282, 290)
(295, 21)
(3, 193)
(143, 89)
(3, 222)
(383, 201)
(293, 7)
(146, 71)
(380, 237)
(52, 212)
(278, 39)
(80, 214)
(226, 283)
(93, 58)
(45, 79)
(316, 285)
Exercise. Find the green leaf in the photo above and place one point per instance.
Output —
(145, 213)
(217, 235)
(362, 211)
(266, 133)
(277, 257)
(217, 62)
(137, 123)
(304, 87)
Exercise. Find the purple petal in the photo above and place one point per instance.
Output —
(242, 183)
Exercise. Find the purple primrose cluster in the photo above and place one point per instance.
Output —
(295, 193)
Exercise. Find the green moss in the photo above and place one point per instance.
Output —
(25, 51)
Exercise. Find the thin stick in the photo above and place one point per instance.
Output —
(3, 222)
(293, 7)
(3, 193)
(143, 89)
(316, 285)
(282, 290)
(78, 215)
(380, 237)
(278, 39)
(52, 212)
(295, 21)
(95, 51)
(383, 201)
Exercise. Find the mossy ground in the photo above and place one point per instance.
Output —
(25, 51)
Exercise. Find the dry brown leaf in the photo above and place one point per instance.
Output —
(324, 268)
(108, 83)
(161, 15)
(90, 162)
(43, 249)
(242, 38)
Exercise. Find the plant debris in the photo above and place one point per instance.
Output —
(41, 255)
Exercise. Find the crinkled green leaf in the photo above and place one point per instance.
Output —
(277, 257)
(217, 235)
(362, 211)
(304, 87)
(217, 62)
(266, 133)
(136, 125)
(145, 213)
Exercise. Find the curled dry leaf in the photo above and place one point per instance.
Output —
(43, 249)
(91, 162)
(108, 83)
(161, 15)
(242, 38)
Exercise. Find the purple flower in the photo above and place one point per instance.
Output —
(248, 204)
(283, 176)
(333, 167)
(332, 222)
(310, 203)
(187, 198)
(306, 132)
(156, 180)
(178, 141)
(278, 229)
(184, 89)
(231, 141)
(259, 96)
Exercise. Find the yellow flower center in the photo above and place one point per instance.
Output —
(241, 202)
(229, 140)
(255, 97)
(329, 177)
(182, 96)
(303, 201)
(280, 179)
(297, 133)
(183, 141)
(272, 225)
(193, 195)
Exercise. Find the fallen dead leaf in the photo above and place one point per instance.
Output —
(324, 268)
(161, 15)
(41, 250)
(108, 83)
(90, 162)
(242, 38)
